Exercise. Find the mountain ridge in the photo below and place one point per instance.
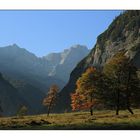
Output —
(29, 76)
(29, 67)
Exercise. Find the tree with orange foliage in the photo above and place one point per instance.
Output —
(50, 99)
(85, 95)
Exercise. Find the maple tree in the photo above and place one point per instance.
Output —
(50, 99)
(84, 97)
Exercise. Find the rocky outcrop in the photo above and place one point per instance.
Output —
(64, 62)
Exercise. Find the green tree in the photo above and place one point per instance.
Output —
(50, 99)
(22, 111)
(122, 80)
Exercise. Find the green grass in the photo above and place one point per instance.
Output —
(101, 120)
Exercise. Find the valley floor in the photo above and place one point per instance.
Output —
(101, 120)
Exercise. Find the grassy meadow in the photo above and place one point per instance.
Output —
(101, 120)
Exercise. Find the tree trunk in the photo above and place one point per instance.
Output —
(130, 110)
(128, 94)
(49, 108)
(91, 111)
(118, 96)
(118, 103)
(128, 103)
(48, 111)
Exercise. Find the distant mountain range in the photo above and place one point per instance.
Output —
(31, 76)
(61, 64)
(41, 72)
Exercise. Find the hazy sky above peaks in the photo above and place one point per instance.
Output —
(43, 32)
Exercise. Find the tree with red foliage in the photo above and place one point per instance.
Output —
(85, 95)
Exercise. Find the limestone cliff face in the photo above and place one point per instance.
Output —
(64, 62)
(122, 34)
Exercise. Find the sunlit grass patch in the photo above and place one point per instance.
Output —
(105, 119)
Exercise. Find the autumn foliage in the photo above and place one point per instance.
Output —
(84, 96)
(116, 86)
(50, 99)
(79, 102)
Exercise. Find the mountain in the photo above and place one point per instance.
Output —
(123, 34)
(64, 62)
(15, 93)
(20, 64)
(30, 94)
(29, 77)
(10, 100)
(41, 72)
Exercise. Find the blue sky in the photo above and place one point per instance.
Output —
(42, 32)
